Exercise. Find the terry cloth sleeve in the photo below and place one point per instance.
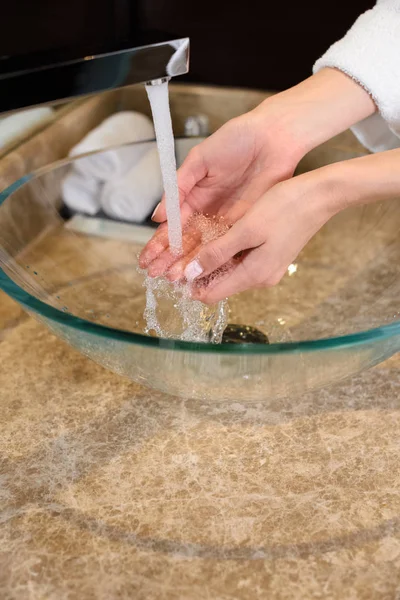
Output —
(370, 54)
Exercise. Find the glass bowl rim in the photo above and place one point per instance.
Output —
(39, 307)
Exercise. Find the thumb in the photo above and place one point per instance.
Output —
(217, 253)
(191, 172)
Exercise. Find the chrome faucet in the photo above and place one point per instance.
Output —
(151, 64)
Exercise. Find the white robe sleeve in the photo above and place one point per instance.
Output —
(370, 54)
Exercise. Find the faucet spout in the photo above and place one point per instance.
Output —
(93, 74)
(158, 81)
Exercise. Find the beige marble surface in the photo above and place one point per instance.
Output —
(109, 490)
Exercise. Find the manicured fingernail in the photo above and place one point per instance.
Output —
(155, 210)
(193, 270)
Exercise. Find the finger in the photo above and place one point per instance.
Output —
(162, 263)
(191, 172)
(257, 269)
(154, 247)
(160, 242)
(176, 271)
(218, 252)
(236, 280)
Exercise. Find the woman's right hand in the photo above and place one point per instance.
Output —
(228, 172)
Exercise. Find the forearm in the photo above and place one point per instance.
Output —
(317, 109)
(364, 180)
(370, 178)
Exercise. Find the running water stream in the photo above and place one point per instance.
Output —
(170, 311)
(159, 102)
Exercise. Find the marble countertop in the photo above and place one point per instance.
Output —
(109, 490)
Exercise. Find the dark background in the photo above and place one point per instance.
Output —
(253, 43)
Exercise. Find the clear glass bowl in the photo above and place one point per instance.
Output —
(335, 313)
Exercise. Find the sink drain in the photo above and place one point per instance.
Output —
(243, 334)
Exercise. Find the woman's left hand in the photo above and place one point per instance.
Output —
(258, 249)
(267, 239)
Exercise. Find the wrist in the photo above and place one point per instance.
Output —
(322, 193)
(317, 109)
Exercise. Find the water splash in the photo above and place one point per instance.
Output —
(172, 313)
(170, 310)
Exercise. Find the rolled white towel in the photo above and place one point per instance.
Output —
(23, 123)
(120, 128)
(133, 197)
(81, 193)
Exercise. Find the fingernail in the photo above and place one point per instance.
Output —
(193, 270)
(155, 210)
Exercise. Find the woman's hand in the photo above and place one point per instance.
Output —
(268, 238)
(273, 231)
(224, 176)
(228, 173)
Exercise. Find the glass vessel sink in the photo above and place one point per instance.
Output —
(335, 313)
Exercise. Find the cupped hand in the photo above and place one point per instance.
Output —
(223, 176)
(259, 247)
